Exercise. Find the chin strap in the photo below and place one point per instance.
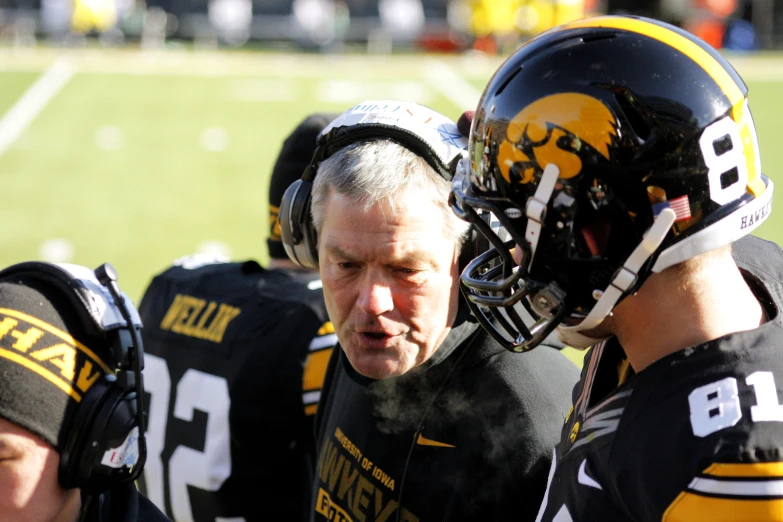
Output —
(625, 278)
(535, 208)
(574, 339)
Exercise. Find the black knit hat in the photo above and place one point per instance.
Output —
(295, 156)
(48, 360)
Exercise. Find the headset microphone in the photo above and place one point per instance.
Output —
(107, 276)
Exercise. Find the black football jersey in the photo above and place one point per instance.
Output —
(235, 359)
(696, 436)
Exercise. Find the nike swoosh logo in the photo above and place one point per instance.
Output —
(585, 479)
(424, 441)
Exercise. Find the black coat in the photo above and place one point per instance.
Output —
(468, 435)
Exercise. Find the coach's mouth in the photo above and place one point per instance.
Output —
(376, 335)
(376, 339)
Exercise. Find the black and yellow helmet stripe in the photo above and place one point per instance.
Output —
(712, 66)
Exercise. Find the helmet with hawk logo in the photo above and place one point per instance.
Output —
(609, 148)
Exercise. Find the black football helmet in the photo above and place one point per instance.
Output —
(609, 148)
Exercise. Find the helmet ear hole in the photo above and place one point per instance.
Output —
(596, 235)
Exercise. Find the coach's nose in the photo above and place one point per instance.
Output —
(375, 298)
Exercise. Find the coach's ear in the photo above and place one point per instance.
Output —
(464, 122)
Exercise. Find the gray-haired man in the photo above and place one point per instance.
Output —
(423, 417)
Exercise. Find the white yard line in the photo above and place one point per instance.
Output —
(33, 101)
(460, 92)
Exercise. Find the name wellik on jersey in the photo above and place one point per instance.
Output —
(349, 494)
(198, 318)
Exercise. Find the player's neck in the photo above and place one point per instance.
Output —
(676, 309)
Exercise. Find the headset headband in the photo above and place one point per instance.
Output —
(428, 134)
(98, 299)
(103, 312)
(425, 132)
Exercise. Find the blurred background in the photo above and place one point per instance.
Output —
(138, 132)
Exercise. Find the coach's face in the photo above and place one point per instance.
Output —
(390, 281)
(28, 480)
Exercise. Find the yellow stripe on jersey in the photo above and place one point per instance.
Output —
(690, 507)
(327, 328)
(750, 470)
(315, 370)
(729, 496)
(274, 223)
(673, 39)
(321, 349)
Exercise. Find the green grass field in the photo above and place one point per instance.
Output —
(140, 158)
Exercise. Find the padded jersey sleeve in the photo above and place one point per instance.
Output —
(319, 351)
(704, 447)
(731, 492)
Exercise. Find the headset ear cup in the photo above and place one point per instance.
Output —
(114, 430)
(105, 419)
(310, 253)
(296, 229)
(72, 455)
(289, 232)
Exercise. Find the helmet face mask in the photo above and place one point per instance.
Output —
(496, 287)
(609, 148)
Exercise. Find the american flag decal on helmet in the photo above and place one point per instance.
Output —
(681, 207)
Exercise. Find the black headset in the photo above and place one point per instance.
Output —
(105, 445)
(421, 130)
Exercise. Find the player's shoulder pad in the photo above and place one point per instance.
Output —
(224, 281)
(761, 257)
(206, 266)
(198, 260)
(762, 262)
(293, 286)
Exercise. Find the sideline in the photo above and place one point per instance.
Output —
(33, 101)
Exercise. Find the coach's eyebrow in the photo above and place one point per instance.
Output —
(334, 249)
(418, 257)
(415, 258)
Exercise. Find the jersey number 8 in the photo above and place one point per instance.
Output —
(731, 153)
